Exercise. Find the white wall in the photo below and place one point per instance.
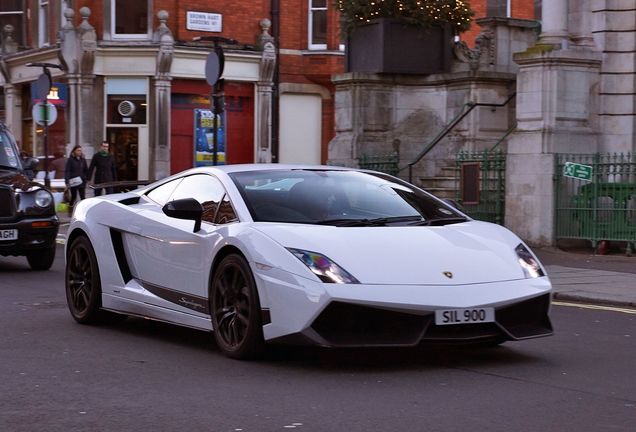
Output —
(300, 128)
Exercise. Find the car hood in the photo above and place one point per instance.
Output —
(466, 253)
(15, 180)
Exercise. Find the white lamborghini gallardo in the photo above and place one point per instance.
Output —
(321, 255)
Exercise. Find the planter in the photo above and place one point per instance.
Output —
(387, 45)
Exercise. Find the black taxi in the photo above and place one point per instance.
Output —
(28, 222)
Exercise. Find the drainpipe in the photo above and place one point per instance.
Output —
(275, 5)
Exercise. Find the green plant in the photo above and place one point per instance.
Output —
(425, 13)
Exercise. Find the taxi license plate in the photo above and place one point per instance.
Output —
(464, 316)
(8, 234)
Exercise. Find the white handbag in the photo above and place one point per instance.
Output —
(75, 181)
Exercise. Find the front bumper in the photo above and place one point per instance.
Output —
(378, 315)
(33, 234)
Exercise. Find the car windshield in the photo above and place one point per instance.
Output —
(8, 156)
(340, 198)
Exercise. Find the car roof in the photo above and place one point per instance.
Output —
(268, 167)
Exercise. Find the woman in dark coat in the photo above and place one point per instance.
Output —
(76, 167)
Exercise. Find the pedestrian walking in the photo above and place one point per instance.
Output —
(59, 164)
(75, 175)
(103, 164)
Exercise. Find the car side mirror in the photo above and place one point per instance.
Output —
(186, 208)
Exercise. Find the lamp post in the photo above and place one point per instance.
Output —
(213, 72)
(43, 88)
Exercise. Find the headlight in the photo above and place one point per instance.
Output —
(326, 270)
(43, 198)
(529, 264)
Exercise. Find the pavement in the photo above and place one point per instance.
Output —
(577, 274)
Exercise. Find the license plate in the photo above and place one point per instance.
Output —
(8, 234)
(464, 316)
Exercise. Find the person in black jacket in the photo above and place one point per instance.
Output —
(103, 164)
(75, 175)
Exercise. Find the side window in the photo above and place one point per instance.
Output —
(129, 19)
(161, 194)
(12, 12)
(204, 188)
(317, 24)
(226, 212)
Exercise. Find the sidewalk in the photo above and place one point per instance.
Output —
(581, 276)
(577, 276)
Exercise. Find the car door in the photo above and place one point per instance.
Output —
(171, 261)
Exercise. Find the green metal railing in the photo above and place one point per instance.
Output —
(482, 184)
(383, 162)
(463, 112)
(601, 208)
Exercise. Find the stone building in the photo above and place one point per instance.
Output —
(133, 73)
(566, 86)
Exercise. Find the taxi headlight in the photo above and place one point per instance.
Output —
(43, 198)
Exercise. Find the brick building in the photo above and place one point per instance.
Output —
(134, 75)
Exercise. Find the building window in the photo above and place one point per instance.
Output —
(498, 8)
(43, 23)
(12, 12)
(317, 24)
(130, 19)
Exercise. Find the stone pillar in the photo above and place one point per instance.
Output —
(12, 97)
(67, 55)
(88, 133)
(554, 19)
(13, 110)
(77, 56)
(264, 91)
(580, 23)
(160, 129)
(555, 89)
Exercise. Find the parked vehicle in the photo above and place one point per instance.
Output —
(321, 255)
(28, 222)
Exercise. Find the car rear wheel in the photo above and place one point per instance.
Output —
(236, 309)
(41, 260)
(83, 286)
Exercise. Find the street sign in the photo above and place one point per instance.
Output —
(41, 87)
(212, 68)
(40, 113)
(578, 171)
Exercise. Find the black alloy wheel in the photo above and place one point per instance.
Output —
(83, 286)
(236, 309)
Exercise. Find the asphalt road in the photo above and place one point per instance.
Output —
(57, 375)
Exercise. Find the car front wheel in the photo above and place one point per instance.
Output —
(83, 286)
(236, 309)
(41, 260)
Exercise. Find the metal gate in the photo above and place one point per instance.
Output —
(481, 179)
(596, 197)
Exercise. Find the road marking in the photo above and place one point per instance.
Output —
(596, 307)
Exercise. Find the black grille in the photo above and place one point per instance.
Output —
(464, 332)
(343, 324)
(527, 319)
(7, 203)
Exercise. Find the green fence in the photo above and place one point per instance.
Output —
(481, 188)
(385, 162)
(596, 197)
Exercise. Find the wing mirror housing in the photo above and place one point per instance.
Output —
(187, 208)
